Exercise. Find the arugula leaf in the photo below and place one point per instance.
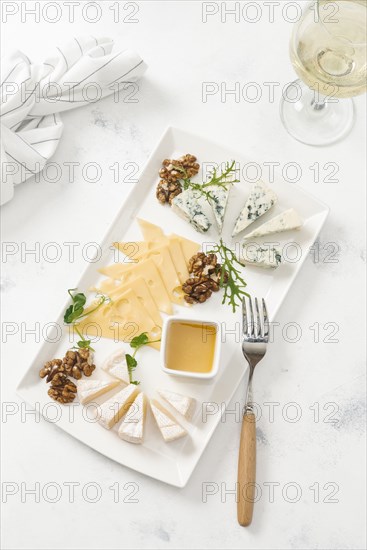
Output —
(223, 180)
(233, 284)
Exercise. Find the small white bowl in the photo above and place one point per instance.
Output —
(217, 349)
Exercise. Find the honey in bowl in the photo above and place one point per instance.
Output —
(190, 346)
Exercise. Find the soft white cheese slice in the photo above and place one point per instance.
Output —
(132, 427)
(91, 389)
(115, 408)
(261, 199)
(181, 403)
(261, 256)
(116, 366)
(219, 204)
(286, 221)
(187, 206)
(167, 424)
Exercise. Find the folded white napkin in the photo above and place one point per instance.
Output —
(32, 95)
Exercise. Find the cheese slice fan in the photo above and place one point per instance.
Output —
(181, 403)
(133, 425)
(91, 389)
(167, 424)
(116, 407)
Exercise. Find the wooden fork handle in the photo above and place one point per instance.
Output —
(246, 470)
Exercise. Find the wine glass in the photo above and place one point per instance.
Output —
(328, 52)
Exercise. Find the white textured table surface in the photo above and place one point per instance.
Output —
(314, 465)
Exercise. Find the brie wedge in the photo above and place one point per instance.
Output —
(187, 206)
(286, 221)
(132, 427)
(219, 204)
(117, 406)
(181, 403)
(261, 199)
(91, 389)
(168, 426)
(116, 366)
(261, 256)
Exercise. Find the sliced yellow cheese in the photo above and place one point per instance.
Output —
(152, 232)
(141, 291)
(162, 258)
(112, 410)
(132, 427)
(91, 389)
(144, 248)
(167, 424)
(107, 286)
(149, 272)
(121, 320)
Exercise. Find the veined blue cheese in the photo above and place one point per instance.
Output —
(261, 199)
(260, 255)
(187, 206)
(286, 221)
(219, 203)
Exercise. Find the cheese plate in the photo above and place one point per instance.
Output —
(175, 461)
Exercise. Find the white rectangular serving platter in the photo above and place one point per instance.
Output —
(174, 462)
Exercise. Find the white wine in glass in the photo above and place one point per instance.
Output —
(328, 52)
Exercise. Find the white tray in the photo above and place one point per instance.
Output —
(173, 463)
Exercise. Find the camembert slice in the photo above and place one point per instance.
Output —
(91, 389)
(286, 221)
(261, 199)
(133, 425)
(167, 424)
(112, 410)
(181, 403)
(116, 366)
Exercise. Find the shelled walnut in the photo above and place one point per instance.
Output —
(172, 171)
(74, 364)
(205, 276)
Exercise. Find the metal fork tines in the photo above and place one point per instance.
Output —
(255, 329)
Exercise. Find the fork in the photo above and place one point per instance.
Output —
(255, 338)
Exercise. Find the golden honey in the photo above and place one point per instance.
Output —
(190, 346)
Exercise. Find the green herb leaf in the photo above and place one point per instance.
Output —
(131, 366)
(139, 340)
(234, 287)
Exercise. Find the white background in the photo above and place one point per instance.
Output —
(182, 52)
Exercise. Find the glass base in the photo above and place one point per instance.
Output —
(312, 120)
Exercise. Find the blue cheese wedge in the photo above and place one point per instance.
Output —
(167, 424)
(112, 410)
(91, 389)
(261, 256)
(261, 199)
(132, 427)
(187, 206)
(181, 403)
(219, 203)
(116, 366)
(286, 221)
